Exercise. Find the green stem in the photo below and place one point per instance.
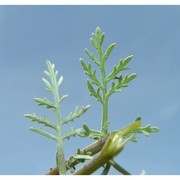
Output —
(106, 169)
(105, 120)
(60, 150)
(92, 166)
(94, 148)
(119, 168)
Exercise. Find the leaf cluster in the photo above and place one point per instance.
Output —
(97, 42)
(53, 86)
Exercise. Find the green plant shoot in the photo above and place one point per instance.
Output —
(99, 88)
(109, 144)
(53, 87)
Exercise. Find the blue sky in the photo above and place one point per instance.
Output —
(31, 34)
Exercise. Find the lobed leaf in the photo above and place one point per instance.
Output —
(129, 78)
(71, 133)
(45, 121)
(77, 113)
(147, 130)
(91, 133)
(45, 102)
(120, 67)
(43, 132)
(91, 56)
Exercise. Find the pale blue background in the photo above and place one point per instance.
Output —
(31, 34)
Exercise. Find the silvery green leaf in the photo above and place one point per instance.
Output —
(45, 121)
(63, 97)
(90, 73)
(60, 81)
(108, 52)
(72, 133)
(43, 132)
(47, 73)
(47, 84)
(45, 102)
(91, 55)
(114, 88)
(116, 70)
(77, 113)
(50, 66)
(55, 74)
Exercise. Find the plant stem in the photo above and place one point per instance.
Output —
(106, 169)
(94, 148)
(105, 120)
(119, 168)
(60, 150)
(92, 166)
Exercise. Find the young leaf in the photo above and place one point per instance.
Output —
(83, 64)
(129, 78)
(126, 60)
(94, 43)
(120, 67)
(63, 97)
(77, 113)
(60, 81)
(91, 89)
(43, 132)
(92, 133)
(102, 39)
(45, 121)
(69, 133)
(45, 102)
(91, 55)
(47, 84)
(47, 73)
(147, 130)
(108, 52)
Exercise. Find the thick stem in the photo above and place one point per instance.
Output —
(94, 148)
(92, 166)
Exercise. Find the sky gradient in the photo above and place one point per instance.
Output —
(31, 34)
